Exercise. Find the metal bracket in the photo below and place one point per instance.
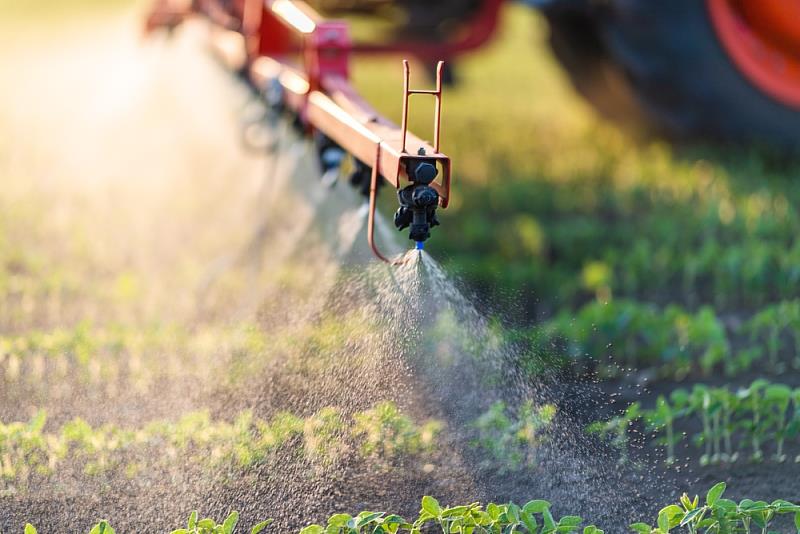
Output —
(407, 159)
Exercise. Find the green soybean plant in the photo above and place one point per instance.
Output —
(757, 425)
(103, 527)
(387, 432)
(729, 405)
(616, 429)
(777, 398)
(706, 332)
(793, 428)
(661, 420)
(323, 433)
(195, 525)
(716, 407)
(674, 341)
(27, 450)
(770, 323)
(511, 438)
(719, 516)
(763, 413)
(363, 523)
(532, 518)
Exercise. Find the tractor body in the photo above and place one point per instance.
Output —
(721, 70)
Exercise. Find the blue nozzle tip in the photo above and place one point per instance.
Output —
(420, 245)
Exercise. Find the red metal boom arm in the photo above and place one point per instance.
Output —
(319, 92)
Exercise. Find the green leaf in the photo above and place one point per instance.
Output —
(394, 522)
(206, 523)
(192, 523)
(663, 522)
(751, 506)
(726, 505)
(549, 522)
(777, 393)
(365, 518)
(536, 507)
(570, 520)
(785, 507)
(431, 505)
(313, 529)
(230, 523)
(529, 521)
(715, 493)
(454, 511)
(689, 517)
(797, 521)
(30, 529)
(102, 528)
(339, 520)
(641, 528)
(669, 517)
(260, 526)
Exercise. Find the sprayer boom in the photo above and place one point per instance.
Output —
(299, 63)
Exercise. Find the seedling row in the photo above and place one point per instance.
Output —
(609, 337)
(27, 451)
(732, 424)
(682, 235)
(508, 438)
(714, 515)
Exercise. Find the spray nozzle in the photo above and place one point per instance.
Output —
(330, 157)
(418, 203)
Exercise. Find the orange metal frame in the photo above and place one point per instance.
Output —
(320, 94)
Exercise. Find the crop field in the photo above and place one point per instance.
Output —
(195, 339)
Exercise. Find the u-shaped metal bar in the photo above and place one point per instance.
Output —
(436, 93)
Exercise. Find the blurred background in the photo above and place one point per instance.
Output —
(581, 137)
(585, 140)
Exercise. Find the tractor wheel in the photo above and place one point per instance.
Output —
(702, 69)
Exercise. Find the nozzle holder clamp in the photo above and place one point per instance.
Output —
(419, 200)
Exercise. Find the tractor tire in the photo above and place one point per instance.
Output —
(661, 63)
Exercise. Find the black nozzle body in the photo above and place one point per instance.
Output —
(418, 203)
